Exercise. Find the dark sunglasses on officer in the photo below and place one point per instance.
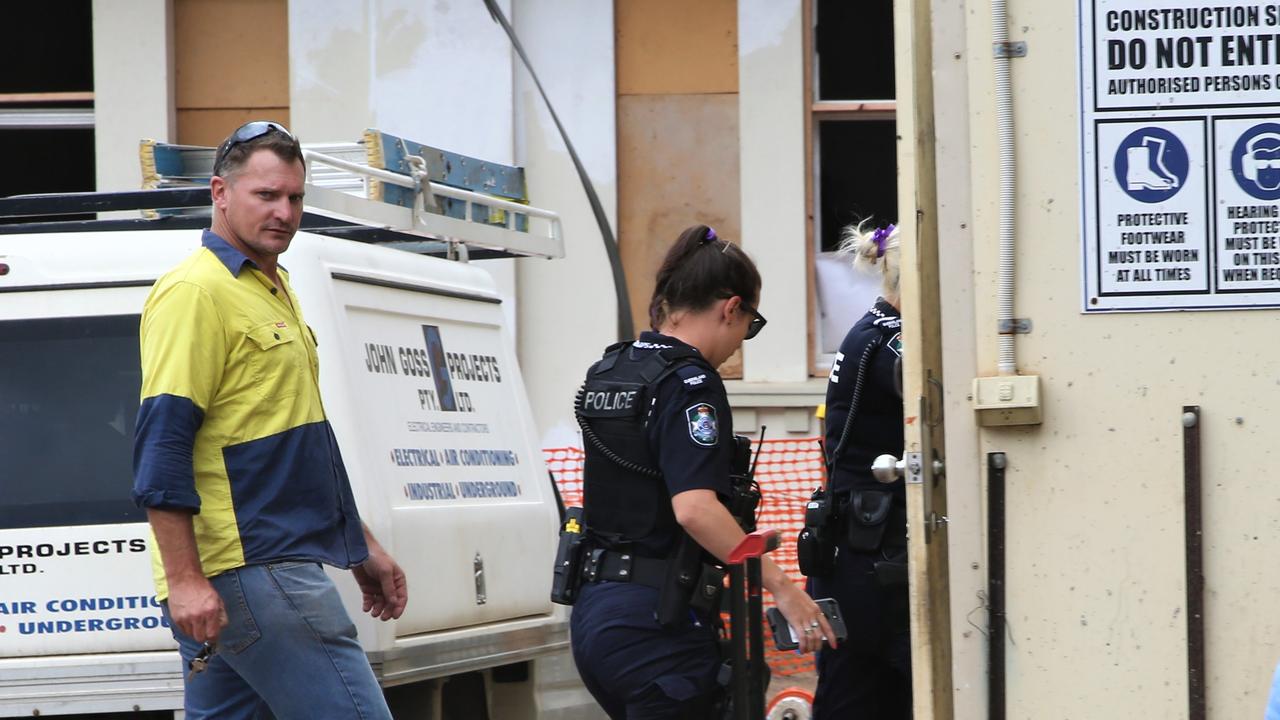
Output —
(757, 321)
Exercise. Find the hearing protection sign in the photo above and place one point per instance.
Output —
(1180, 148)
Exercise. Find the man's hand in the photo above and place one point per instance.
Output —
(194, 605)
(197, 609)
(383, 584)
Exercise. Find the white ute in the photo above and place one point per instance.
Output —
(421, 383)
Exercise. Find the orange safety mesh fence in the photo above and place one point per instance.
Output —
(787, 471)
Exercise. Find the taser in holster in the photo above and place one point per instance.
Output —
(567, 574)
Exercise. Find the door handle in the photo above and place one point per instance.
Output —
(887, 468)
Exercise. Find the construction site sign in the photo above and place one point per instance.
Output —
(1180, 149)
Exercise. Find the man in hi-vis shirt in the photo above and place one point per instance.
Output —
(239, 470)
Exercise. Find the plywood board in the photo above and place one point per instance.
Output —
(231, 53)
(677, 166)
(211, 127)
(676, 46)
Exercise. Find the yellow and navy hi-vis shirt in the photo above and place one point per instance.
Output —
(231, 425)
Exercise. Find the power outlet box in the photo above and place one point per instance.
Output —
(1007, 400)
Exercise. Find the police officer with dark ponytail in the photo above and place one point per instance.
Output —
(660, 452)
(866, 573)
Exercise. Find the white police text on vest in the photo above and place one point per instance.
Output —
(612, 400)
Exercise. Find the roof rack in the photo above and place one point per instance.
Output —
(476, 225)
(418, 209)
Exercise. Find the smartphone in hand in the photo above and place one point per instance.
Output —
(786, 637)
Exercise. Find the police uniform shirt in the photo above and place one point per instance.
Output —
(877, 426)
(691, 431)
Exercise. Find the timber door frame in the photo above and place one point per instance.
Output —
(929, 596)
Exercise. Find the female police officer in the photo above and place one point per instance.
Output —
(659, 446)
(871, 678)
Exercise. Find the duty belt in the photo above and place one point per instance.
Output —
(612, 566)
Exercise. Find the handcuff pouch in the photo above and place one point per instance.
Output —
(865, 519)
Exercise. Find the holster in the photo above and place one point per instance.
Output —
(705, 599)
(683, 572)
(816, 544)
(865, 519)
(566, 573)
(892, 571)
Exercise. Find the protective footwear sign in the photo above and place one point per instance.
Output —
(1180, 148)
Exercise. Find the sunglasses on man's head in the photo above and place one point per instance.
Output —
(243, 134)
(757, 322)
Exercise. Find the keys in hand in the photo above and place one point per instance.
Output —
(201, 660)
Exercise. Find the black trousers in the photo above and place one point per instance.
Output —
(633, 667)
(869, 676)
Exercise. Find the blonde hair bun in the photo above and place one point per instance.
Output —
(873, 249)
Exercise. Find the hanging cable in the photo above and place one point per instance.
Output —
(626, 330)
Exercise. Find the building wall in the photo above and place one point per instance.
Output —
(776, 390)
(133, 86)
(773, 114)
(567, 307)
(677, 133)
(678, 153)
(1096, 584)
(231, 63)
(184, 71)
(439, 74)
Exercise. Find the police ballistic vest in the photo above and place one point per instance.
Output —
(625, 499)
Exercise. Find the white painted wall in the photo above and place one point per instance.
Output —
(437, 73)
(772, 114)
(567, 307)
(1095, 536)
(132, 86)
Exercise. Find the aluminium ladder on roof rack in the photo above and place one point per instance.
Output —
(543, 238)
(411, 210)
(437, 201)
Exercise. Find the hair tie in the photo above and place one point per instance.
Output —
(880, 237)
(711, 237)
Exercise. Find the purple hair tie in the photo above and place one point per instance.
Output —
(711, 234)
(880, 237)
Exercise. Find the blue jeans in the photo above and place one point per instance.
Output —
(289, 651)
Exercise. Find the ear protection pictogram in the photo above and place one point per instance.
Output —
(1251, 165)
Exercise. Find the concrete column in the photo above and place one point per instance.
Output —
(132, 85)
(772, 114)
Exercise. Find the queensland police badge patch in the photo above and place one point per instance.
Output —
(703, 426)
